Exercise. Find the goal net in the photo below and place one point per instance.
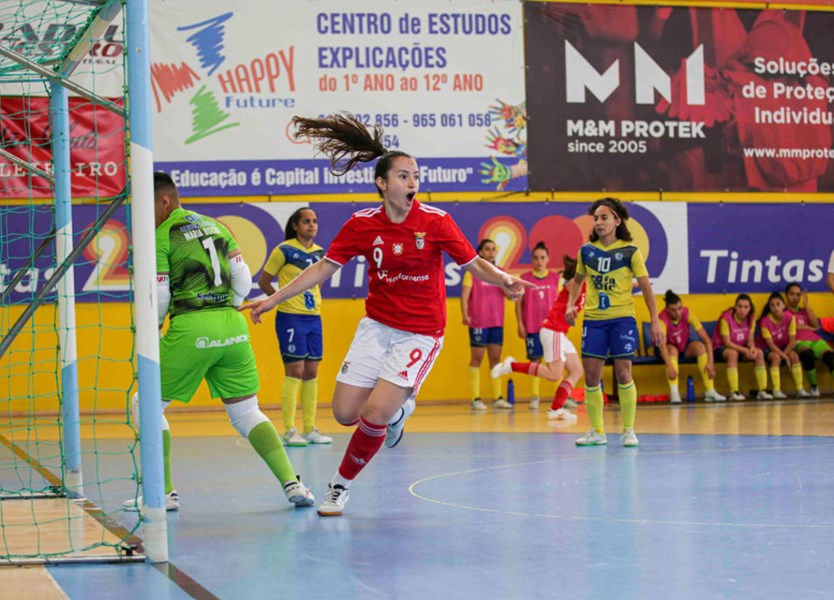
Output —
(68, 449)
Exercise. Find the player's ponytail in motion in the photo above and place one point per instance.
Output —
(618, 209)
(346, 141)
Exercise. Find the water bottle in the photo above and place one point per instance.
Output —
(690, 389)
(511, 391)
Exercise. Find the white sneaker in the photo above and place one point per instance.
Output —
(292, 438)
(592, 438)
(334, 501)
(779, 394)
(172, 502)
(763, 395)
(571, 404)
(561, 414)
(674, 395)
(394, 431)
(815, 391)
(737, 397)
(501, 403)
(629, 439)
(477, 405)
(713, 396)
(534, 404)
(801, 393)
(317, 437)
(298, 493)
(502, 368)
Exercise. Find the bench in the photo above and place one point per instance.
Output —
(650, 355)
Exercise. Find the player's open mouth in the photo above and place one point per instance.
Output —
(410, 196)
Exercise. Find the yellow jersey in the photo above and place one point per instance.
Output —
(287, 260)
(610, 271)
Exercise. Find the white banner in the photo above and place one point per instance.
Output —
(444, 78)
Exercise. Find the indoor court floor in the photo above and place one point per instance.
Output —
(730, 500)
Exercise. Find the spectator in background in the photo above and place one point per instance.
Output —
(676, 320)
(482, 304)
(298, 326)
(531, 311)
(777, 336)
(733, 341)
(809, 345)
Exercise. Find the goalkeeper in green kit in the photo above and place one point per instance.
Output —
(201, 277)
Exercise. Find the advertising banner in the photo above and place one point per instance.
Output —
(444, 79)
(97, 152)
(685, 99)
(736, 248)
(102, 273)
(689, 248)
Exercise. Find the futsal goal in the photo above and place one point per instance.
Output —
(77, 305)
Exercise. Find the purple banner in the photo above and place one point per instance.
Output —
(276, 177)
(736, 248)
(731, 248)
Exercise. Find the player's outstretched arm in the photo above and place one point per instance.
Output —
(309, 277)
(513, 286)
(574, 289)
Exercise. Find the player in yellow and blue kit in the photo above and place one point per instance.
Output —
(610, 262)
(298, 326)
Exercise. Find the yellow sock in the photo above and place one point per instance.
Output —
(673, 383)
(761, 378)
(732, 378)
(796, 371)
(474, 381)
(535, 387)
(709, 384)
(496, 388)
(309, 402)
(289, 394)
(593, 403)
(776, 378)
(628, 403)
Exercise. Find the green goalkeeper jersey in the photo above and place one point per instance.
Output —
(193, 250)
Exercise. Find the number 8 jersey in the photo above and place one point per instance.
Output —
(193, 250)
(406, 283)
(610, 271)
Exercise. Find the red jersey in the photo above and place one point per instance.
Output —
(406, 283)
(556, 317)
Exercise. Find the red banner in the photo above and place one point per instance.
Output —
(97, 148)
(640, 98)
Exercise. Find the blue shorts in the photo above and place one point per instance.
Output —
(481, 336)
(614, 338)
(534, 347)
(299, 336)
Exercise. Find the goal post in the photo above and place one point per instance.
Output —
(56, 425)
(145, 304)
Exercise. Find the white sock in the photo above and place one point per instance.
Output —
(339, 480)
